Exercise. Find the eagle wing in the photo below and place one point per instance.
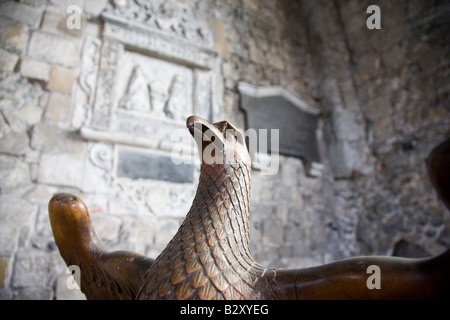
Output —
(103, 275)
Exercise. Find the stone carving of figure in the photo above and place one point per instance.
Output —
(137, 95)
(175, 107)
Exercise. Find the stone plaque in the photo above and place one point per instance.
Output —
(134, 164)
(274, 108)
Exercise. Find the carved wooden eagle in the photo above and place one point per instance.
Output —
(210, 258)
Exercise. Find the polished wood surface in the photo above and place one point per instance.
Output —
(210, 257)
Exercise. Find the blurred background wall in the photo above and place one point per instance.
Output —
(92, 94)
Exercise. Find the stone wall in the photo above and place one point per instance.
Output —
(85, 110)
(384, 94)
(60, 133)
(402, 76)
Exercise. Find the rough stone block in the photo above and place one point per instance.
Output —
(62, 79)
(33, 268)
(66, 3)
(137, 231)
(274, 60)
(58, 108)
(159, 199)
(15, 143)
(378, 107)
(273, 231)
(95, 179)
(56, 21)
(347, 125)
(255, 230)
(35, 3)
(289, 172)
(4, 270)
(392, 59)
(256, 54)
(300, 262)
(107, 227)
(59, 49)
(31, 114)
(120, 205)
(4, 127)
(340, 160)
(384, 128)
(93, 28)
(95, 7)
(35, 69)
(64, 293)
(35, 293)
(8, 61)
(49, 138)
(22, 110)
(41, 195)
(21, 12)
(296, 233)
(368, 66)
(13, 172)
(13, 215)
(13, 36)
(220, 39)
(170, 227)
(61, 169)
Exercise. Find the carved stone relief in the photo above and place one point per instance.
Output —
(152, 87)
(101, 155)
(137, 95)
(154, 67)
(105, 93)
(170, 16)
(164, 28)
(87, 81)
(153, 70)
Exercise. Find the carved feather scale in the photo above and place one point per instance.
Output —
(210, 253)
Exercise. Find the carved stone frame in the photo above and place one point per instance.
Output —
(251, 97)
(96, 110)
(97, 113)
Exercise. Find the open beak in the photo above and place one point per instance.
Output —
(204, 131)
(222, 137)
(197, 124)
